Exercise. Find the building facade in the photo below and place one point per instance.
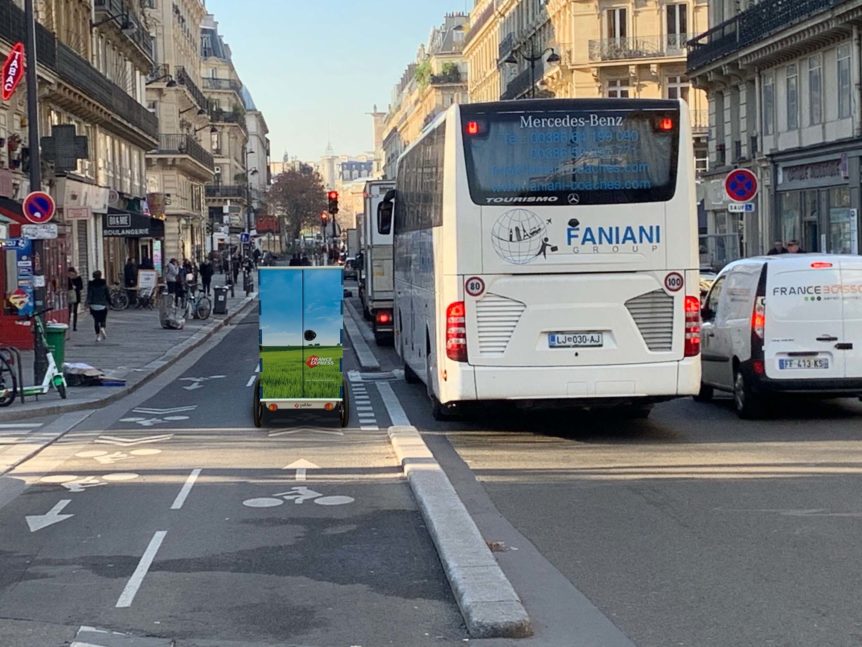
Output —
(258, 164)
(784, 101)
(227, 197)
(94, 56)
(436, 80)
(181, 165)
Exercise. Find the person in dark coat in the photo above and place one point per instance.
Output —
(206, 271)
(130, 278)
(74, 287)
(98, 298)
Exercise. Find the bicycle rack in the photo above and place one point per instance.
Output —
(13, 357)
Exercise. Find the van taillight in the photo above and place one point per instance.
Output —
(692, 326)
(456, 332)
(758, 317)
(383, 317)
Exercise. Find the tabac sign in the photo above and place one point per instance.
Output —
(13, 71)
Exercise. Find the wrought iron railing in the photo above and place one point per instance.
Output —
(184, 144)
(615, 49)
(12, 30)
(222, 84)
(121, 11)
(750, 26)
(227, 191)
(78, 73)
(519, 85)
(183, 78)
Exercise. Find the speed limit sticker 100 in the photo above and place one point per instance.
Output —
(674, 282)
(474, 286)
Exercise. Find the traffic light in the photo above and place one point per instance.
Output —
(332, 197)
(324, 218)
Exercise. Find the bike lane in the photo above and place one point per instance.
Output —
(190, 524)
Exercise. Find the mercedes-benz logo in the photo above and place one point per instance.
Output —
(574, 198)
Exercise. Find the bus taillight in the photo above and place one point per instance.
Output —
(456, 332)
(665, 124)
(692, 326)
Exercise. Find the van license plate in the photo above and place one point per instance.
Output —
(575, 339)
(803, 363)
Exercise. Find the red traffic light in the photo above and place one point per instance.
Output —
(332, 195)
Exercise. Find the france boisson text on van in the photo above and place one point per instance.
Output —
(783, 324)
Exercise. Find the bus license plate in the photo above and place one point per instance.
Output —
(575, 339)
(803, 363)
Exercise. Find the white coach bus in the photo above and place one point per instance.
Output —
(546, 252)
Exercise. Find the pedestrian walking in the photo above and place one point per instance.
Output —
(777, 248)
(235, 267)
(172, 272)
(98, 298)
(206, 271)
(74, 287)
(794, 248)
(181, 287)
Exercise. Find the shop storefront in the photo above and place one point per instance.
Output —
(131, 235)
(817, 202)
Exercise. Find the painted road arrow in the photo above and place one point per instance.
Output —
(194, 386)
(301, 466)
(156, 412)
(127, 442)
(39, 521)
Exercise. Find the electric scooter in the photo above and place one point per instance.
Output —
(53, 376)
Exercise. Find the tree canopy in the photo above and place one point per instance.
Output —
(297, 197)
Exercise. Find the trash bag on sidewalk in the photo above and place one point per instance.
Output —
(80, 374)
(171, 316)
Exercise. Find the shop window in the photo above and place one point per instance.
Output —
(840, 232)
(790, 216)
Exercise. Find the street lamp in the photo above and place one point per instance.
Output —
(532, 58)
(171, 83)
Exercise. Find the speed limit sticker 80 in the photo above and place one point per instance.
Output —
(474, 286)
(674, 282)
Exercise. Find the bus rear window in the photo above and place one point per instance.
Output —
(571, 157)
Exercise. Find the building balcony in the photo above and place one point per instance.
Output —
(185, 80)
(12, 30)
(756, 24)
(648, 47)
(699, 121)
(233, 117)
(136, 32)
(225, 85)
(449, 78)
(227, 191)
(186, 146)
(520, 85)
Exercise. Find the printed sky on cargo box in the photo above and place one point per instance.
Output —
(315, 69)
(289, 308)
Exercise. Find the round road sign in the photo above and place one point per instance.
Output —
(474, 286)
(38, 207)
(674, 282)
(740, 185)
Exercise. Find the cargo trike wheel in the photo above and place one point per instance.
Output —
(256, 404)
(344, 411)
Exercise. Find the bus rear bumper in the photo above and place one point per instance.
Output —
(613, 383)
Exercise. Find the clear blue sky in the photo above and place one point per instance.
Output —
(315, 67)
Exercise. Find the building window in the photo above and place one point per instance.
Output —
(792, 91)
(844, 81)
(617, 24)
(677, 26)
(677, 88)
(768, 105)
(815, 91)
(618, 89)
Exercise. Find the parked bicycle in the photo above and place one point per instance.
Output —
(119, 297)
(8, 381)
(198, 305)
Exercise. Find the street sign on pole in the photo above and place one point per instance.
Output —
(38, 207)
(740, 185)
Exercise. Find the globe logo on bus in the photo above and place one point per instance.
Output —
(519, 236)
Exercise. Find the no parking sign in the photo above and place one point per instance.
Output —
(38, 207)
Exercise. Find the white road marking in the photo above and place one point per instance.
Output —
(396, 412)
(38, 521)
(251, 381)
(21, 425)
(134, 583)
(187, 487)
(370, 428)
(291, 432)
(153, 411)
(257, 369)
(301, 466)
(126, 442)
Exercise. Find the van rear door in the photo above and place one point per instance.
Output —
(851, 287)
(803, 320)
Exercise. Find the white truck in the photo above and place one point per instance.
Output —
(376, 269)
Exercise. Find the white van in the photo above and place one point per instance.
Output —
(788, 324)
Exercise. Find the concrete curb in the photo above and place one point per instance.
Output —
(487, 600)
(153, 369)
(366, 357)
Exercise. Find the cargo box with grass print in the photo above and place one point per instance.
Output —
(301, 326)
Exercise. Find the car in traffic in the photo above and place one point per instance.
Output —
(350, 268)
(784, 325)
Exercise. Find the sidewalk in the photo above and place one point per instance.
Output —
(136, 350)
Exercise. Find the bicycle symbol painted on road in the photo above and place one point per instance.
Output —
(298, 495)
